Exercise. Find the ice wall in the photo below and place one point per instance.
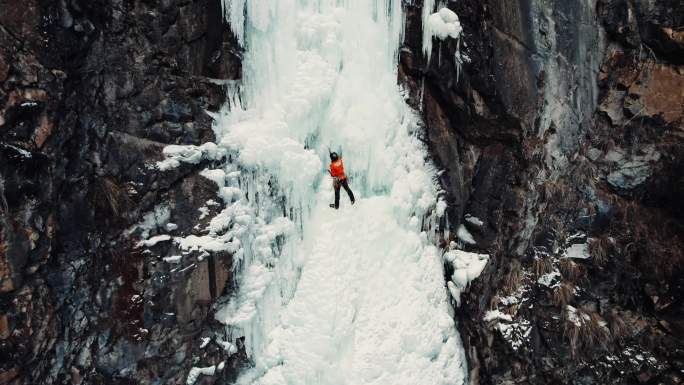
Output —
(318, 75)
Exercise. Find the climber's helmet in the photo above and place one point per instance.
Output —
(333, 156)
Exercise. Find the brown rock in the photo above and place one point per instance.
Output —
(22, 19)
(8, 375)
(675, 36)
(43, 131)
(4, 327)
(35, 95)
(6, 284)
(4, 68)
(28, 68)
(76, 377)
(611, 105)
(659, 92)
(620, 67)
(644, 377)
(16, 97)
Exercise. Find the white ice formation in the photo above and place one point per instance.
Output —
(353, 296)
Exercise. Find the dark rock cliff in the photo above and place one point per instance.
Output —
(90, 93)
(562, 132)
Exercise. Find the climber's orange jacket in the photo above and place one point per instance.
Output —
(337, 169)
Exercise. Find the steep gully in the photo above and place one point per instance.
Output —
(95, 91)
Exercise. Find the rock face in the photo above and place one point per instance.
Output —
(90, 93)
(559, 126)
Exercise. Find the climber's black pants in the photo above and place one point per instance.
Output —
(344, 184)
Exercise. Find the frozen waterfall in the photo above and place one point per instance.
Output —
(354, 296)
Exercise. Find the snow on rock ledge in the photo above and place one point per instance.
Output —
(467, 266)
(578, 251)
(175, 154)
(442, 24)
(196, 372)
(464, 235)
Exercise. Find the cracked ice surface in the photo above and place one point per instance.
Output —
(354, 296)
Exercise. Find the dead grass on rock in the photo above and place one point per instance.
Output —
(564, 294)
(571, 270)
(111, 198)
(541, 266)
(649, 240)
(513, 278)
(619, 329)
(587, 332)
(600, 249)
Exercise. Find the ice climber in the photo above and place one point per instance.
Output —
(339, 179)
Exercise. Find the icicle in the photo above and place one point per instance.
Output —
(428, 7)
(442, 25)
(234, 14)
(458, 60)
(422, 91)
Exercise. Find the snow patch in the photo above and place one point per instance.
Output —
(440, 208)
(196, 372)
(151, 220)
(443, 24)
(578, 251)
(177, 154)
(516, 334)
(205, 342)
(467, 266)
(21, 151)
(496, 315)
(173, 259)
(207, 243)
(473, 220)
(550, 280)
(154, 240)
(464, 235)
(204, 212)
(228, 346)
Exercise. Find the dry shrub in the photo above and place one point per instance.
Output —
(564, 294)
(586, 331)
(589, 209)
(542, 266)
(513, 278)
(494, 302)
(556, 225)
(598, 334)
(533, 147)
(626, 211)
(650, 240)
(584, 173)
(600, 249)
(110, 197)
(619, 329)
(571, 270)
(573, 332)
(567, 199)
